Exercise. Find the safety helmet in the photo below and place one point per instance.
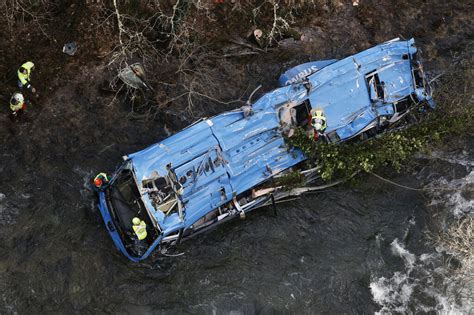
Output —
(18, 98)
(318, 126)
(98, 182)
(258, 34)
(317, 123)
(136, 221)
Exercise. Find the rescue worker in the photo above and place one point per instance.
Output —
(139, 227)
(17, 104)
(100, 180)
(318, 122)
(24, 74)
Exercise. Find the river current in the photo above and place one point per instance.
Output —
(360, 247)
(355, 248)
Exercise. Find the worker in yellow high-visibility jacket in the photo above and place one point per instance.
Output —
(318, 122)
(139, 227)
(24, 76)
(17, 105)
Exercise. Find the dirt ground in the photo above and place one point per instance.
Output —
(48, 223)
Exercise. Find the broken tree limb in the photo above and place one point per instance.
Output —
(248, 45)
(240, 54)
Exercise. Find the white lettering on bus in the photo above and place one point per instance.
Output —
(303, 74)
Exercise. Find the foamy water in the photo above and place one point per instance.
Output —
(423, 279)
(428, 277)
(454, 199)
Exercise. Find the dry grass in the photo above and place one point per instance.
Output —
(458, 242)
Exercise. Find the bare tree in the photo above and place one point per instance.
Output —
(16, 12)
(173, 37)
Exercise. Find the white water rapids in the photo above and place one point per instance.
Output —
(428, 279)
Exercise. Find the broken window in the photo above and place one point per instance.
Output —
(376, 87)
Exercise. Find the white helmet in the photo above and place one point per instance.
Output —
(258, 34)
(318, 126)
(18, 98)
(317, 123)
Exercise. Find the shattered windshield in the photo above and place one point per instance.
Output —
(164, 192)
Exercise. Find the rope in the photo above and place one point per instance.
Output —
(396, 184)
(415, 189)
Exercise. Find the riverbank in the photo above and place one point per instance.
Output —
(321, 253)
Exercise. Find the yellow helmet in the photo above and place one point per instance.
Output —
(136, 221)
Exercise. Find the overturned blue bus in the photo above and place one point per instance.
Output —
(220, 168)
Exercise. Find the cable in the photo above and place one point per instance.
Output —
(414, 189)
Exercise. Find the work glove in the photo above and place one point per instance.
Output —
(23, 106)
(33, 90)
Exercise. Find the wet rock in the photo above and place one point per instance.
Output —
(467, 192)
(8, 213)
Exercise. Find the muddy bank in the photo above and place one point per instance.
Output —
(318, 254)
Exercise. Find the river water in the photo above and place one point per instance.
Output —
(358, 248)
(355, 248)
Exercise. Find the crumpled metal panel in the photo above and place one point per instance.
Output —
(238, 132)
(359, 123)
(277, 97)
(250, 148)
(230, 153)
(341, 90)
(261, 164)
(177, 149)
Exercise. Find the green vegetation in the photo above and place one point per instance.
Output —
(452, 117)
(291, 180)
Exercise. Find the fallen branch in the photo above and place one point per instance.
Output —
(248, 45)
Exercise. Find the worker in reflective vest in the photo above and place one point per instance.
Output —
(100, 180)
(318, 122)
(24, 74)
(17, 103)
(139, 227)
